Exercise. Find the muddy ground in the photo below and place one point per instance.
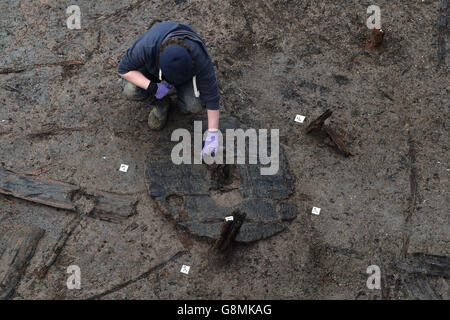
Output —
(274, 60)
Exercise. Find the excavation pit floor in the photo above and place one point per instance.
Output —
(63, 118)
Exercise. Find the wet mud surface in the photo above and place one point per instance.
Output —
(63, 118)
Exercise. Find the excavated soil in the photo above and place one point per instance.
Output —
(62, 117)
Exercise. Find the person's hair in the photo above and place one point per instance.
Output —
(175, 42)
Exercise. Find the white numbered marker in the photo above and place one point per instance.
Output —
(229, 218)
(299, 118)
(123, 168)
(185, 269)
(315, 210)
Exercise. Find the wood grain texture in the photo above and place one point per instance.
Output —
(20, 246)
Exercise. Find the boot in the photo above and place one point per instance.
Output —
(158, 116)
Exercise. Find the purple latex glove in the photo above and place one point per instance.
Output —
(163, 90)
(211, 143)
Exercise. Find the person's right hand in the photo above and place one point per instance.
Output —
(163, 90)
(211, 143)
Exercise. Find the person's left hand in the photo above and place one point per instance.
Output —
(163, 90)
(211, 143)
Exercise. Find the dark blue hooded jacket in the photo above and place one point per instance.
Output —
(144, 55)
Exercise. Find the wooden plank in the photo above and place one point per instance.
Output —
(229, 231)
(318, 123)
(106, 206)
(54, 194)
(339, 141)
(442, 29)
(19, 247)
(18, 69)
(375, 39)
(418, 287)
(56, 250)
(427, 264)
(112, 207)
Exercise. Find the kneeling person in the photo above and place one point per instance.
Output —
(174, 53)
